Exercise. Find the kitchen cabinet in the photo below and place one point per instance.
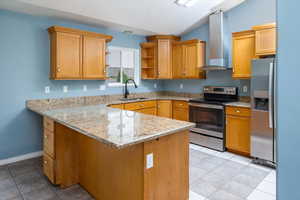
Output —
(243, 51)
(180, 110)
(265, 39)
(94, 58)
(148, 60)
(49, 149)
(188, 58)
(164, 108)
(77, 54)
(157, 57)
(238, 130)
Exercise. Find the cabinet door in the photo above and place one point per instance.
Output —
(238, 133)
(265, 42)
(164, 61)
(69, 56)
(94, 58)
(164, 108)
(177, 61)
(180, 114)
(243, 51)
(193, 59)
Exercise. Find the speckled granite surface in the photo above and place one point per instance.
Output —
(115, 127)
(239, 104)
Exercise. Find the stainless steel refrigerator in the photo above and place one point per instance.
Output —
(263, 131)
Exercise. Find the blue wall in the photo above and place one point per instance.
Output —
(243, 17)
(24, 72)
(288, 100)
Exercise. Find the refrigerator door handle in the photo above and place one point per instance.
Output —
(271, 95)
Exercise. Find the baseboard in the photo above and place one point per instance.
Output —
(20, 158)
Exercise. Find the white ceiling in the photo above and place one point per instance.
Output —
(144, 17)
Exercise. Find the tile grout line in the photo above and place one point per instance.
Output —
(13, 178)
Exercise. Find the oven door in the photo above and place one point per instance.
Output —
(209, 119)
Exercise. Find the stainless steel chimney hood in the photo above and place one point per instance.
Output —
(217, 54)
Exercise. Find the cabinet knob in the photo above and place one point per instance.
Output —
(46, 137)
(45, 162)
(237, 111)
(58, 69)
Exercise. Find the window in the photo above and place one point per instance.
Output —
(123, 64)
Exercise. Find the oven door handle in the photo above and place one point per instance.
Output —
(202, 105)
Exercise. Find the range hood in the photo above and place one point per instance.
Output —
(217, 54)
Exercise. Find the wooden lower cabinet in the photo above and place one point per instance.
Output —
(180, 110)
(148, 111)
(164, 108)
(49, 155)
(238, 130)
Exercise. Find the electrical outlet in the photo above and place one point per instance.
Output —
(84, 88)
(149, 161)
(155, 85)
(102, 87)
(47, 89)
(245, 89)
(65, 88)
(181, 86)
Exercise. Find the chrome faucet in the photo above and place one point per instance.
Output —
(126, 92)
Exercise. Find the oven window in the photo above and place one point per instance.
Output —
(207, 118)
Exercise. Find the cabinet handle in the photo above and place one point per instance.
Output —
(233, 69)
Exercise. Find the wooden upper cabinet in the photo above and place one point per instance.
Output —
(94, 58)
(77, 54)
(265, 39)
(243, 51)
(188, 58)
(164, 108)
(68, 54)
(164, 62)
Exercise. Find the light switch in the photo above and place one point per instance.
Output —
(84, 88)
(181, 86)
(155, 85)
(245, 88)
(149, 161)
(65, 88)
(47, 89)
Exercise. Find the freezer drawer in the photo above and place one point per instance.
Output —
(262, 137)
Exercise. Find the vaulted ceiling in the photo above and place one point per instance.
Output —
(140, 16)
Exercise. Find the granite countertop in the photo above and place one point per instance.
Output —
(239, 104)
(115, 127)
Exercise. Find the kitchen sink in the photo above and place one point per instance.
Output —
(133, 99)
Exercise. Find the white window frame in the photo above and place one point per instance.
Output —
(136, 66)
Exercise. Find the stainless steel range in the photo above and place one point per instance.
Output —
(209, 115)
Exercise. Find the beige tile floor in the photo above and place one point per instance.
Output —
(213, 176)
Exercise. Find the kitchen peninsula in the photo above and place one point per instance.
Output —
(114, 153)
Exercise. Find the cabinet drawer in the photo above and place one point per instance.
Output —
(140, 105)
(239, 111)
(49, 143)
(48, 124)
(180, 104)
(49, 167)
(148, 111)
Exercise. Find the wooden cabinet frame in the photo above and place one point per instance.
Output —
(72, 54)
